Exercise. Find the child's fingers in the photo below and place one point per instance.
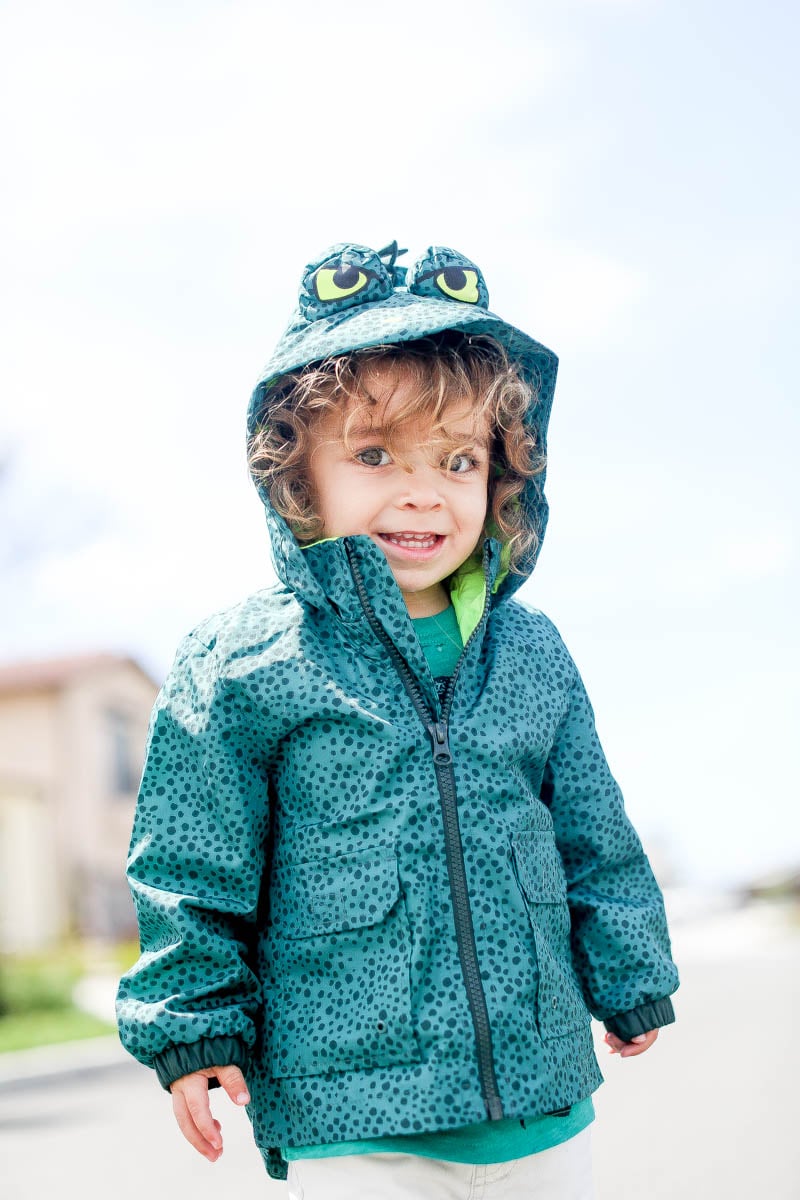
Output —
(197, 1126)
(639, 1044)
(232, 1080)
(193, 1112)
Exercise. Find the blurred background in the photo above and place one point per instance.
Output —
(626, 174)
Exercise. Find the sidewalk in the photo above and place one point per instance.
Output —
(94, 994)
(703, 933)
(88, 1055)
(708, 1113)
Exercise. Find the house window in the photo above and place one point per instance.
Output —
(123, 755)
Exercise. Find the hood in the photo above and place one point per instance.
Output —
(352, 297)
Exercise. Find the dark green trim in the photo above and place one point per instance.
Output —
(453, 848)
(176, 1061)
(276, 1164)
(642, 1019)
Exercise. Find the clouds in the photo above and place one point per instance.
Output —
(169, 169)
(176, 110)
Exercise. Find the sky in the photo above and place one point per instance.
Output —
(625, 172)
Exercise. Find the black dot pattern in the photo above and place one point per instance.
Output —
(288, 870)
(287, 857)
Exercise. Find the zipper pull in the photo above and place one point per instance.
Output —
(441, 743)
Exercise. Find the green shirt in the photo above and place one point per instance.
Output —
(487, 1141)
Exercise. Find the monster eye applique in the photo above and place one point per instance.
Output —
(347, 275)
(444, 272)
(457, 283)
(335, 283)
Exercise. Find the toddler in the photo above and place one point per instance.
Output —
(383, 875)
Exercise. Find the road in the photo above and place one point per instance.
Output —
(708, 1114)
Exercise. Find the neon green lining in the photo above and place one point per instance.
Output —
(320, 542)
(467, 588)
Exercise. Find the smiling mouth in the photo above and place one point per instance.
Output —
(413, 541)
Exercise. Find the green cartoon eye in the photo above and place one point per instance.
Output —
(334, 283)
(442, 271)
(458, 283)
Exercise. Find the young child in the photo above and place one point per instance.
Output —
(382, 872)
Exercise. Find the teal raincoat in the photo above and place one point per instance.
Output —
(396, 913)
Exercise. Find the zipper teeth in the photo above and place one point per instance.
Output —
(469, 960)
(445, 778)
(407, 675)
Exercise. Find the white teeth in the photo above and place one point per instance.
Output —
(419, 540)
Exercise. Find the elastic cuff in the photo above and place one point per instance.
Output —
(176, 1061)
(648, 1016)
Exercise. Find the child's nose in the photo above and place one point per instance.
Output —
(420, 489)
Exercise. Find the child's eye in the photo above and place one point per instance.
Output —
(371, 457)
(459, 464)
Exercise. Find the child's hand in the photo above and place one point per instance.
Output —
(193, 1112)
(628, 1049)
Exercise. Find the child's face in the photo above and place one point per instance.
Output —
(426, 517)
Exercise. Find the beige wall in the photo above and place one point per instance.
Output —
(31, 912)
(28, 737)
(31, 881)
(64, 825)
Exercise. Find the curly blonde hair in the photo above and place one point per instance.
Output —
(443, 368)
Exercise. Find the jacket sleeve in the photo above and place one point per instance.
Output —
(620, 943)
(195, 870)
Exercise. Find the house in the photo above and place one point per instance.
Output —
(72, 737)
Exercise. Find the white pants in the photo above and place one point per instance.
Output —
(561, 1173)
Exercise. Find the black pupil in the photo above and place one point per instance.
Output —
(455, 278)
(345, 277)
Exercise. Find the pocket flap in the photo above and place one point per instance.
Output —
(539, 868)
(330, 895)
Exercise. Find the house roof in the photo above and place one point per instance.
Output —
(51, 674)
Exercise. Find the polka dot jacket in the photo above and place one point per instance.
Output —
(395, 912)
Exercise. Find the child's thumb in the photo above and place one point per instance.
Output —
(232, 1080)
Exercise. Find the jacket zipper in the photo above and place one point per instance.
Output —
(438, 731)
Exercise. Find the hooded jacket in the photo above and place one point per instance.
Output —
(396, 913)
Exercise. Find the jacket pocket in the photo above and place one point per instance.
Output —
(540, 875)
(341, 951)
